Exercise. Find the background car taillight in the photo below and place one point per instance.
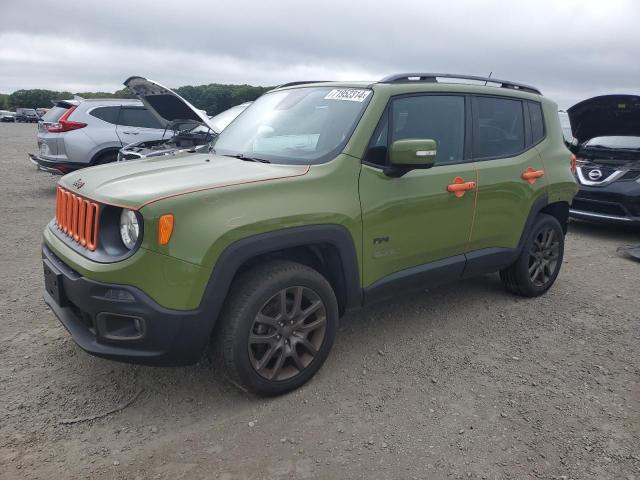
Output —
(64, 124)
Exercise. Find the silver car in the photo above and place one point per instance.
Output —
(7, 116)
(76, 134)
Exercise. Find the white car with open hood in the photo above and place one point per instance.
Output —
(187, 129)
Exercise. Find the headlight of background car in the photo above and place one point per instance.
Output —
(129, 228)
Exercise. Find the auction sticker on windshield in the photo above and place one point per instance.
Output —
(349, 94)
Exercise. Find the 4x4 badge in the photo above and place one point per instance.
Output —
(78, 183)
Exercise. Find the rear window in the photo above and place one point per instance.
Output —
(54, 114)
(498, 126)
(138, 117)
(107, 114)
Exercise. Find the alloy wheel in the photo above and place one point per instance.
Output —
(543, 257)
(287, 333)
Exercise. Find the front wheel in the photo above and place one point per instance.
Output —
(538, 265)
(278, 327)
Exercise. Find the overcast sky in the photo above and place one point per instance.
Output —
(570, 49)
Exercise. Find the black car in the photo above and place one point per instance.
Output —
(607, 130)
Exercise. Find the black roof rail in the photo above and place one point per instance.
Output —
(292, 84)
(433, 78)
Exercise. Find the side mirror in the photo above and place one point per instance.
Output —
(410, 154)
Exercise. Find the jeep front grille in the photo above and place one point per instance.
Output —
(77, 218)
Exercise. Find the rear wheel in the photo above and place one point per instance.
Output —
(278, 327)
(538, 265)
(105, 158)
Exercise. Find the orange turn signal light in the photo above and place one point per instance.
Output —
(165, 228)
(574, 161)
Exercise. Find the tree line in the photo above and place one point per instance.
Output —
(214, 98)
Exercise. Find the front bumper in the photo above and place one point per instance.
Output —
(99, 317)
(618, 202)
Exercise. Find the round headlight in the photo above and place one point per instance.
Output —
(129, 228)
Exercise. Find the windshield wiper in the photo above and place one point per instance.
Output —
(242, 156)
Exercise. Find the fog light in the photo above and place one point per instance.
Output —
(121, 328)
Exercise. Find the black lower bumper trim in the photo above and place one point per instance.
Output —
(55, 167)
(171, 337)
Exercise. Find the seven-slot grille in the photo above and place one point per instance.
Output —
(77, 218)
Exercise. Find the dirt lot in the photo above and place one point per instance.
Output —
(466, 381)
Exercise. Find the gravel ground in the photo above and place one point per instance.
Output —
(464, 381)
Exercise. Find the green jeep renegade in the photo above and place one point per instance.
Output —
(318, 199)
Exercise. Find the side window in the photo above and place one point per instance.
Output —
(138, 117)
(436, 117)
(498, 127)
(537, 122)
(377, 150)
(108, 114)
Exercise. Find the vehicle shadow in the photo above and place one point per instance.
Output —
(205, 388)
(622, 233)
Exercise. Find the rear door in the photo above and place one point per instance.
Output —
(510, 170)
(137, 124)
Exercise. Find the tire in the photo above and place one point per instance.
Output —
(268, 349)
(105, 158)
(538, 265)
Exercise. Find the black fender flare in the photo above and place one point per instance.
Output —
(538, 205)
(239, 252)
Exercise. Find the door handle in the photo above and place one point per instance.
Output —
(459, 186)
(531, 175)
(130, 132)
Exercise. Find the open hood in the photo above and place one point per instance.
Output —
(606, 115)
(166, 104)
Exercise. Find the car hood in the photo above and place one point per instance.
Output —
(606, 115)
(136, 184)
(165, 104)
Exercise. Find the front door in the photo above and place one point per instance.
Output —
(137, 124)
(413, 223)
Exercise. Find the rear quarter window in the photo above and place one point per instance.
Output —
(107, 114)
(537, 122)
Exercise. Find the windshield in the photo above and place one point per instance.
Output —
(614, 142)
(222, 120)
(297, 126)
